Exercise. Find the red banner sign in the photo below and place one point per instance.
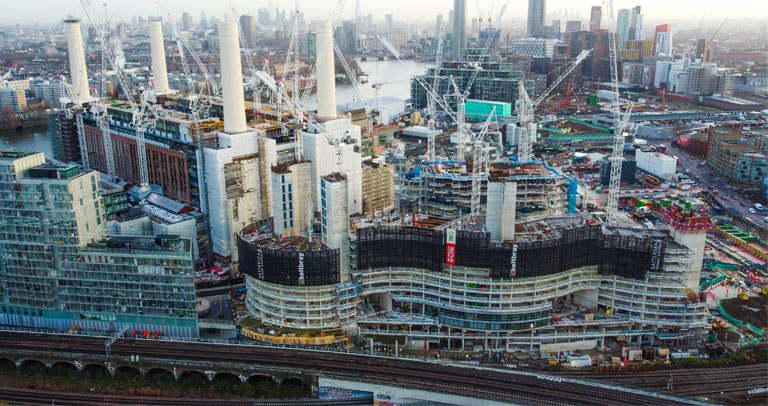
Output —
(450, 246)
(450, 254)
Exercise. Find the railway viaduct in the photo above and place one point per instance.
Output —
(235, 362)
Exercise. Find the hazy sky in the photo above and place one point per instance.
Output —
(47, 11)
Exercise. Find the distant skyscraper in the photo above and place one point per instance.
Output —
(662, 40)
(635, 24)
(248, 25)
(573, 26)
(459, 28)
(186, 21)
(358, 13)
(596, 16)
(203, 20)
(438, 24)
(388, 23)
(536, 12)
(622, 28)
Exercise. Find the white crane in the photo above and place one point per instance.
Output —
(479, 163)
(142, 115)
(479, 158)
(431, 107)
(74, 110)
(525, 109)
(620, 125)
(358, 90)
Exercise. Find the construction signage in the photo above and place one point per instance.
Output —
(450, 246)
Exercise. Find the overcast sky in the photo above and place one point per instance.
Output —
(48, 11)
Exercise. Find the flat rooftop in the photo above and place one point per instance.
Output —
(261, 234)
(160, 244)
(501, 170)
(12, 154)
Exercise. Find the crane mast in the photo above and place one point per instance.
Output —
(620, 125)
(139, 119)
(525, 109)
(431, 107)
(479, 162)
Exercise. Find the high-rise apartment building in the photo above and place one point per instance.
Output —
(537, 10)
(622, 27)
(58, 269)
(459, 28)
(662, 40)
(595, 16)
(636, 24)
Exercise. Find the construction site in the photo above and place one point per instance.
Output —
(482, 246)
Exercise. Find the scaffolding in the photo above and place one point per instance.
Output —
(378, 193)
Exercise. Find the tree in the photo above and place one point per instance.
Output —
(8, 116)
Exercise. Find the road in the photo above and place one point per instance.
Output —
(221, 307)
(728, 198)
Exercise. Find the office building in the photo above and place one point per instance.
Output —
(186, 21)
(459, 28)
(535, 47)
(60, 271)
(537, 11)
(389, 24)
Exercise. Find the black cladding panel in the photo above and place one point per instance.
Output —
(288, 267)
(628, 255)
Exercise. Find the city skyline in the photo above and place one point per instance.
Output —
(51, 11)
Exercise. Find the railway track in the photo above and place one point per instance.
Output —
(31, 396)
(692, 382)
(477, 383)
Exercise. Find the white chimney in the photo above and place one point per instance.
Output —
(231, 78)
(80, 92)
(159, 70)
(326, 83)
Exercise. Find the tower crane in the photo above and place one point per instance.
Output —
(358, 89)
(75, 111)
(525, 109)
(297, 100)
(479, 162)
(431, 108)
(102, 114)
(478, 156)
(621, 123)
(142, 114)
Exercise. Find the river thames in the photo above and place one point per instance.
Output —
(394, 77)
